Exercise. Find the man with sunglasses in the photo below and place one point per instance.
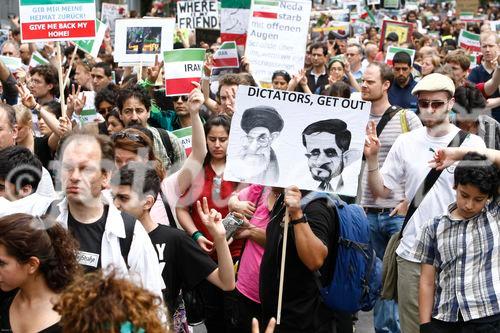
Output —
(407, 162)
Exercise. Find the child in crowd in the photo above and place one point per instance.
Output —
(460, 253)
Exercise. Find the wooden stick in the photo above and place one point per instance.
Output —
(139, 75)
(61, 79)
(66, 79)
(282, 270)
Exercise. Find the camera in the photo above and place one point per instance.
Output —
(231, 224)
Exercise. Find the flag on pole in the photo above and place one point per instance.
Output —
(37, 59)
(469, 41)
(234, 20)
(182, 66)
(226, 56)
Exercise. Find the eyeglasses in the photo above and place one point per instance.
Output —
(184, 98)
(131, 136)
(424, 103)
(104, 111)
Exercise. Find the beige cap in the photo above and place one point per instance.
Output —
(435, 82)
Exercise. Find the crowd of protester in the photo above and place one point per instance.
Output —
(109, 226)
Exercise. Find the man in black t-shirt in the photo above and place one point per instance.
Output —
(183, 264)
(311, 246)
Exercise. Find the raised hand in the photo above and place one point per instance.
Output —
(195, 98)
(269, 329)
(65, 125)
(372, 143)
(212, 220)
(75, 101)
(27, 97)
(154, 71)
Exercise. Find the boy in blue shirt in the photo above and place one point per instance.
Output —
(460, 252)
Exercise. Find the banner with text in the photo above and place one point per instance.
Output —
(197, 14)
(282, 138)
(182, 67)
(57, 20)
(92, 46)
(276, 37)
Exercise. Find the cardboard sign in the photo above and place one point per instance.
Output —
(234, 16)
(392, 50)
(57, 20)
(197, 14)
(185, 136)
(138, 41)
(182, 66)
(402, 29)
(274, 142)
(469, 41)
(277, 35)
(92, 46)
(111, 12)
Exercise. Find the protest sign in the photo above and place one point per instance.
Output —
(92, 46)
(392, 50)
(111, 12)
(185, 136)
(37, 59)
(56, 20)
(341, 27)
(277, 35)
(466, 6)
(182, 66)
(373, 2)
(12, 63)
(138, 41)
(402, 29)
(279, 138)
(197, 14)
(234, 15)
(391, 3)
(226, 56)
(469, 41)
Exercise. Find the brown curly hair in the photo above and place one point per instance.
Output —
(101, 303)
(25, 236)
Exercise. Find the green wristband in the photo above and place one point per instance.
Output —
(197, 234)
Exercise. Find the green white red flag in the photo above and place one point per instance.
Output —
(234, 20)
(392, 50)
(469, 41)
(185, 135)
(265, 9)
(92, 46)
(226, 56)
(182, 66)
(37, 59)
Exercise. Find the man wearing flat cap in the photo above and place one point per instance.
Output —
(263, 125)
(407, 163)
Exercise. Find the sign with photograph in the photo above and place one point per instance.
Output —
(277, 36)
(182, 67)
(197, 14)
(92, 46)
(111, 12)
(273, 142)
(138, 41)
(57, 20)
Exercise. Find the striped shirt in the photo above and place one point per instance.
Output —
(387, 138)
(466, 255)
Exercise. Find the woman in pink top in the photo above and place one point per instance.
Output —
(256, 202)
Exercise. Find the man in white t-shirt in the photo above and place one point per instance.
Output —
(408, 160)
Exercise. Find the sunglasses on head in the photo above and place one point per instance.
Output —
(425, 103)
(131, 136)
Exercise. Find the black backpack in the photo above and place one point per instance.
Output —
(167, 143)
(128, 221)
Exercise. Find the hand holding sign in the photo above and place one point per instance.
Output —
(195, 98)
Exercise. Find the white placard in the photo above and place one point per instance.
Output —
(202, 14)
(266, 140)
(276, 37)
(138, 41)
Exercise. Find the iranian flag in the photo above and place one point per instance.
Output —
(37, 59)
(234, 20)
(469, 41)
(226, 56)
(92, 46)
(185, 135)
(265, 9)
(392, 50)
(182, 66)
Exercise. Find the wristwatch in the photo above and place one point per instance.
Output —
(303, 219)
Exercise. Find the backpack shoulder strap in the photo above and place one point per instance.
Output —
(387, 116)
(403, 121)
(126, 243)
(429, 182)
(167, 143)
(171, 218)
